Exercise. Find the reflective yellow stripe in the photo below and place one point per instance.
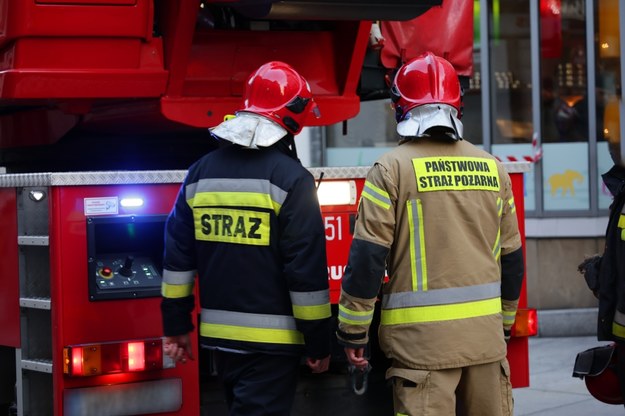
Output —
(310, 313)
(508, 317)
(376, 195)
(496, 250)
(349, 316)
(243, 333)
(512, 205)
(232, 226)
(497, 246)
(236, 199)
(456, 174)
(418, 264)
(618, 330)
(176, 291)
(437, 313)
(621, 221)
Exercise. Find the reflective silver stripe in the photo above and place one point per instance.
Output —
(619, 318)
(179, 278)
(441, 296)
(251, 320)
(376, 195)
(417, 250)
(320, 297)
(351, 316)
(262, 186)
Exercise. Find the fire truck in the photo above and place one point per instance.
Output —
(103, 105)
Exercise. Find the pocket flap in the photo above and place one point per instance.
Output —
(416, 376)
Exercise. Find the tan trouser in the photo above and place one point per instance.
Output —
(479, 390)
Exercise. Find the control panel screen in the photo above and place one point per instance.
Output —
(125, 255)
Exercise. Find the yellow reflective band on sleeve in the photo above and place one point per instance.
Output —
(376, 195)
(623, 234)
(347, 316)
(232, 226)
(236, 199)
(508, 317)
(248, 334)
(176, 291)
(512, 205)
(310, 313)
(621, 221)
(618, 330)
(435, 313)
(499, 207)
(456, 174)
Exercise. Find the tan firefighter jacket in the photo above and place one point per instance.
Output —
(438, 217)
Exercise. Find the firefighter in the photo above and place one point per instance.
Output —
(605, 274)
(248, 222)
(437, 216)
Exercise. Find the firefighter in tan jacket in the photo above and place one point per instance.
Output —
(437, 216)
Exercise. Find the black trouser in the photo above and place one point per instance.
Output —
(258, 384)
(7, 377)
(620, 366)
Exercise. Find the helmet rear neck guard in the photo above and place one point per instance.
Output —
(422, 120)
(278, 92)
(250, 130)
(426, 80)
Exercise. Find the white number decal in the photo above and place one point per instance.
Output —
(334, 229)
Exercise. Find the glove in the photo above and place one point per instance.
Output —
(589, 268)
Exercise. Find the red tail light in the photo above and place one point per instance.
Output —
(115, 357)
(525, 324)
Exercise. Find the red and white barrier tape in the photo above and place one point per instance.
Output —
(537, 153)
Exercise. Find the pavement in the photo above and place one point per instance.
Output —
(553, 391)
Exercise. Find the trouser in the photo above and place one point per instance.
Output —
(258, 384)
(478, 390)
(7, 378)
(620, 366)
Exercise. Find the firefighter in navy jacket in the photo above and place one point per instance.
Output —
(605, 273)
(247, 222)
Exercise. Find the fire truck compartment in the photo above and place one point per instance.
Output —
(124, 256)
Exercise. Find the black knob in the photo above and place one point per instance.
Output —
(126, 269)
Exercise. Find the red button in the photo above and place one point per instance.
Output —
(106, 272)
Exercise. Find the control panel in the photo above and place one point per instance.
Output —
(125, 256)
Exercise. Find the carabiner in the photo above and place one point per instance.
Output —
(359, 379)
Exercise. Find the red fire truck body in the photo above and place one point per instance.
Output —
(100, 103)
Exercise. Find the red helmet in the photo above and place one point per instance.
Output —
(278, 92)
(597, 366)
(426, 79)
(605, 386)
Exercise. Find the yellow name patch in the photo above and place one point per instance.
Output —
(232, 226)
(456, 174)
